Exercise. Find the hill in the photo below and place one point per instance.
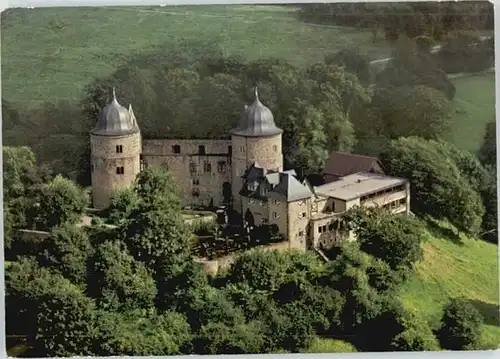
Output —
(52, 53)
(467, 268)
(475, 107)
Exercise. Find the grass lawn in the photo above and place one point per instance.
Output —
(475, 107)
(468, 270)
(50, 54)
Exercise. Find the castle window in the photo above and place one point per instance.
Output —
(176, 149)
(207, 167)
(230, 150)
(320, 229)
(242, 148)
(119, 149)
(120, 170)
(201, 149)
(302, 215)
(196, 193)
(324, 228)
(196, 182)
(314, 207)
(192, 167)
(221, 166)
(301, 233)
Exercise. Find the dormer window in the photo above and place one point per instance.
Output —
(252, 186)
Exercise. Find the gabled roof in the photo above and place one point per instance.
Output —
(291, 188)
(343, 164)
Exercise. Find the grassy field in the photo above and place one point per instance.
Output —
(475, 106)
(468, 269)
(52, 53)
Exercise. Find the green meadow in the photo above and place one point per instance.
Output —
(50, 54)
(474, 108)
(467, 269)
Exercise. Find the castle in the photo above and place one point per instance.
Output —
(244, 173)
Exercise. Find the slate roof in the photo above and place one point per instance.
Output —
(284, 185)
(291, 188)
(343, 164)
(115, 120)
(256, 121)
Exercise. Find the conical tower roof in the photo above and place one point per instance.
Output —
(257, 121)
(115, 120)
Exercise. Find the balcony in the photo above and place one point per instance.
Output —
(383, 199)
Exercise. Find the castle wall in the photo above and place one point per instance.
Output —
(266, 151)
(105, 162)
(202, 179)
(278, 214)
(299, 213)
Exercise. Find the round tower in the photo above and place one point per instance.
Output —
(116, 147)
(255, 140)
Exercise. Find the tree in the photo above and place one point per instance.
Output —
(218, 338)
(410, 67)
(16, 162)
(117, 281)
(353, 61)
(59, 201)
(261, 270)
(65, 322)
(460, 326)
(140, 332)
(488, 151)
(66, 251)
(394, 239)
(123, 202)
(155, 232)
(406, 111)
(313, 141)
(437, 187)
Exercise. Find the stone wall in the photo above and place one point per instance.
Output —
(105, 161)
(202, 179)
(266, 151)
(214, 266)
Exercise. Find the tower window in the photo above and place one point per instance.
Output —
(119, 149)
(120, 170)
(222, 166)
(230, 150)
(201, 150)
(207, 167)
(176, 149)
